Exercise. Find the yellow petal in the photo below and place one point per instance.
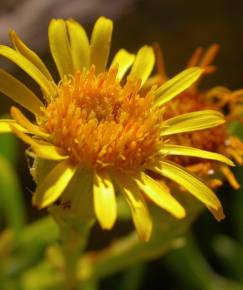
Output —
(159, 195)
(176, 85)
(79, 44)
(135, 200)
(50, 189)
(29, 54)
(18, 92)
(42, 150)
(184, 178)
(104, 200)
(143, 64)
(170, 149)
(5, 126)
(100, 43)
(25, 123)
(123, 60)
(60, 47)
(28, 67)
(193, 121)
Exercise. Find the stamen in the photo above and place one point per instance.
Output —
(100, 123)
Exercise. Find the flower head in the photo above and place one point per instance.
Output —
(217, 139)
(98, 126)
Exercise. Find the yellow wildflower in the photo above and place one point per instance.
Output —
(98, 125)
(218, 98)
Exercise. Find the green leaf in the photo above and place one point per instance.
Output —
(11, 197)
(29, 249)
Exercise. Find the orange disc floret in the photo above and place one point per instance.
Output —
(100, 123)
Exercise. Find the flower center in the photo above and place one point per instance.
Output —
(99, 123)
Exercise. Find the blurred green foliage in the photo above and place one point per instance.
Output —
(11, 197)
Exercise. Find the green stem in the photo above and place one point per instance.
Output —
(73, 244)
(129, 250)
(73, 234)
(193, 271)
(132, 279)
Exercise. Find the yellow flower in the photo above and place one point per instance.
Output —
(97, 124)
(217, 139)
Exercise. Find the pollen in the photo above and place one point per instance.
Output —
(99, 122)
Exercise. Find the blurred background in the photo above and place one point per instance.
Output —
(214, 249)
